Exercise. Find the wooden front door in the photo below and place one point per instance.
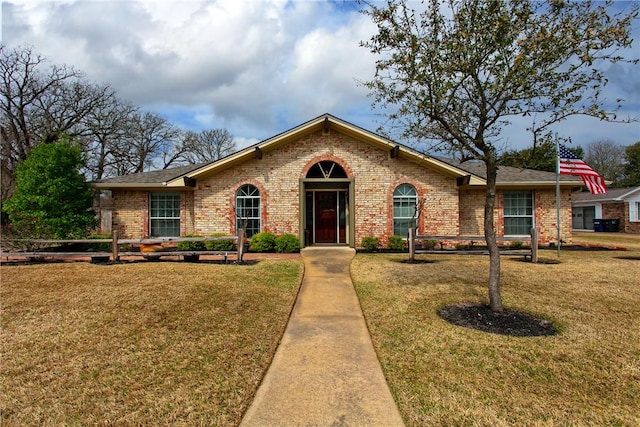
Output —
(326, 216)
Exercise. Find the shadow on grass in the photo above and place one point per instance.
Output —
(630, 257)
(417, 261)
(127, 261)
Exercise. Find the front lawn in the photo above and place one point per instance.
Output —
(441, 374)
(148, 343)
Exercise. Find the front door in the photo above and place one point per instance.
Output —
(326, 216)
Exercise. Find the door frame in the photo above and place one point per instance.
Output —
(327, 184)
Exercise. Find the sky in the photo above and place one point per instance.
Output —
(254, 67)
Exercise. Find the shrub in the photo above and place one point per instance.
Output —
(263, 242)
(287, 243)
(52, 198)
(516, 244)
(370, 243)
(462, 247)
(219, 245)
(100, 247)
(395, 243)
(191, 246)
(429, 245)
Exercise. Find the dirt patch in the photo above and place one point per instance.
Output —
(509, 322)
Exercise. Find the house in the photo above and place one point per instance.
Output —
(331, 182)
(616, 210)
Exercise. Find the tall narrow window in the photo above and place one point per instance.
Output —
(248, 209)
(405, 200)
(518, 213)
(164, 214)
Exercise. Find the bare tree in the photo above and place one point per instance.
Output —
(607, 158)
(207, 146)
(40, 102)
(24, 83)
(105, 132)
(147, 136)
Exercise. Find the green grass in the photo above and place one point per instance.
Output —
(441, 374)
(139, 344)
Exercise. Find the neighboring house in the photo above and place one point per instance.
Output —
(617, 207)
(330, 182)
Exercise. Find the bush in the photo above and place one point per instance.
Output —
(191, 246)
(287, 243)
(100, 247)
(52, 199)
(429, 245)
(219, 245)
(263, 242)
(370, 243)
(516, 244)
(395, 243)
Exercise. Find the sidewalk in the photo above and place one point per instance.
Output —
(325, 371)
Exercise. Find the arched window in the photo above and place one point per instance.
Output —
(326, 169)
(248, 209)
(405, 200)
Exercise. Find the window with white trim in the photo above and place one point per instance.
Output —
(248, 209)
(405, 200)
(164, 214)
(518, 213)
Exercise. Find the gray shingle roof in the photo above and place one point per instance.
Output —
(508, 174)
(152, 177)
(611, 194)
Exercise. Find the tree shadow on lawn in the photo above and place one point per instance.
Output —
(37, 261)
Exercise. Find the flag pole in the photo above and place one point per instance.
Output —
(558, 192)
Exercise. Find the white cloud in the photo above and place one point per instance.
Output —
(254, 67)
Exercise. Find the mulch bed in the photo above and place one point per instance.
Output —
(509, 322)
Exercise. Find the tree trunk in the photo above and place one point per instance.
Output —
(495, 298)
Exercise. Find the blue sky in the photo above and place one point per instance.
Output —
(254, 67)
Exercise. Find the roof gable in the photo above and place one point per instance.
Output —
(324, 123)
(469, 174)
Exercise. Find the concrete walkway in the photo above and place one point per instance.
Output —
(325, 371)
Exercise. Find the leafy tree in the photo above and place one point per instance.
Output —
(453, 74)
(541, 157)
(52, 198)
(631, 166)
(607, 158)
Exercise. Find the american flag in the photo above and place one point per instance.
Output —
(570, 164)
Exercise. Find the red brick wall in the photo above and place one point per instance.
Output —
(472, 212)
(131, 214)
(375, 174)
(616, 210)
(545, 216)
(209, 207)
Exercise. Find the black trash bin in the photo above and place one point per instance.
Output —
(610, 225)
(598, 225)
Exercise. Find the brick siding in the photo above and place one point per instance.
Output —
(209, 208)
